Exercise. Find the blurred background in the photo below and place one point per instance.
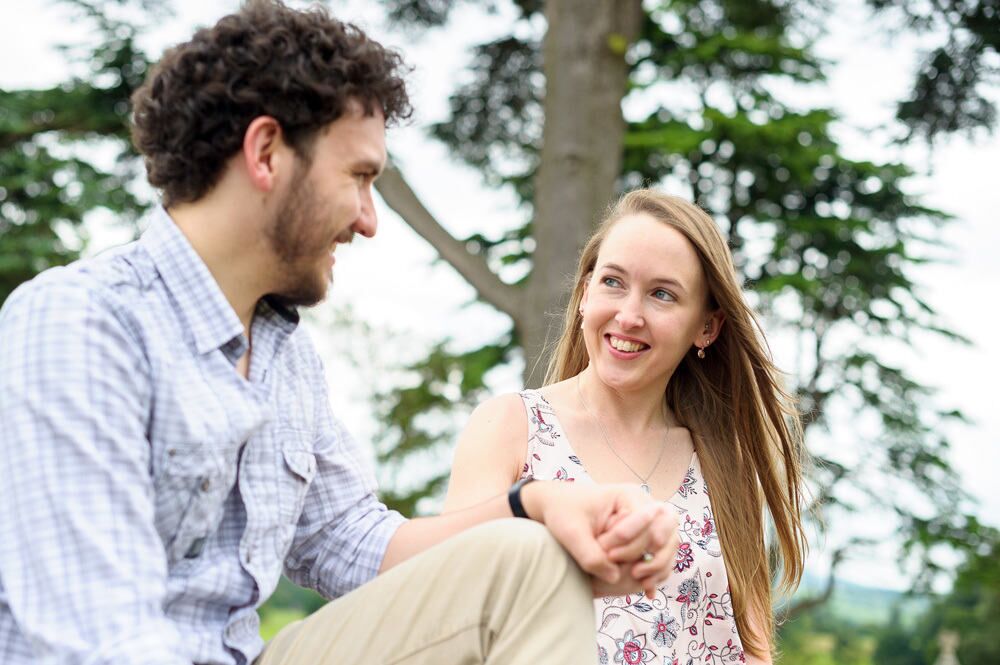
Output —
(847, 149)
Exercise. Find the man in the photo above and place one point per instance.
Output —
(168, 446)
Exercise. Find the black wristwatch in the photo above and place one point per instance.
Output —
(514, 498)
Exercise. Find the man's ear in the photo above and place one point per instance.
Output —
(264, 151)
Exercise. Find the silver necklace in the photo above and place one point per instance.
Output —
(643, 482)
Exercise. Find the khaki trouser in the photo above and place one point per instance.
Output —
(501, 593)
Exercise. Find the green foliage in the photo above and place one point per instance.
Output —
(971, 610)
(865, 626)
(706, 41)
(964, 534)
(417, 416)
(822, 638)
(496, 118)
(435, 13)
(49, 176)
(897, 645)
(949, 88)
(288, 603)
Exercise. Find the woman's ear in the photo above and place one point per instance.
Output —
(713, 326)
(586, 286)
(709, 331)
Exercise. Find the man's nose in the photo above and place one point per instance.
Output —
(367, 222)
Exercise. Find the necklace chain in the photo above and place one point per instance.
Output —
(607, 441)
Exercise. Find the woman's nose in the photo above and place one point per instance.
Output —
(630, 314)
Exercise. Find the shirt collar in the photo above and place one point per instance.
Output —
(209, 316)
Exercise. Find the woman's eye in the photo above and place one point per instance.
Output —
(663, 294)
(611, 281)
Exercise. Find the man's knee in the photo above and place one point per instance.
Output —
(517, 541)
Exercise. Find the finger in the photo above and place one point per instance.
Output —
(613, 519)
(628, 528)
(660, 572)
(630, 552)
(651, 584)
(657, 568)
(622, 586)
(654, 572)
(633, 549)
(663, 526)
(592, 558)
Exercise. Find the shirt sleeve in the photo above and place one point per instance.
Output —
(82, 567)
(344, 530)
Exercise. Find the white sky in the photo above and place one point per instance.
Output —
(392, 282)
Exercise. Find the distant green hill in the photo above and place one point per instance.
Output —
(864, 605)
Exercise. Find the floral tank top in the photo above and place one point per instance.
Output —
(690, 621)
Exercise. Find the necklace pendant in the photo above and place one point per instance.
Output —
(645, 488)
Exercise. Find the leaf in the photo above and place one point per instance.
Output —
(608, 618)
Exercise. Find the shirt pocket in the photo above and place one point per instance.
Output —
(298, 465)
(191, 489)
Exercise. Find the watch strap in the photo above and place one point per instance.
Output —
(514, 498)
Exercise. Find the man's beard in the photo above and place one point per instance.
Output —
(293, 237)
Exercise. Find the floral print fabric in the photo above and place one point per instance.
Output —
(690, 620)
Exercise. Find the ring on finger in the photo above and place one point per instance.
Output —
(647, 557)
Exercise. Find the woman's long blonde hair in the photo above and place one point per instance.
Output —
(745, 426)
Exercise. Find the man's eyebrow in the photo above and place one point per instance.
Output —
(371, 165)
(658, 280)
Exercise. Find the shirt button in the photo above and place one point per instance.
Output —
(196, 548)
(205, 484)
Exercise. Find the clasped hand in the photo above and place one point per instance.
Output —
(608, 529)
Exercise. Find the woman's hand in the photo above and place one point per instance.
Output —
(608, 529)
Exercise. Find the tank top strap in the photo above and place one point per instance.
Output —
(549, 454)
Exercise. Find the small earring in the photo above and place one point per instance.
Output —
(701, 353)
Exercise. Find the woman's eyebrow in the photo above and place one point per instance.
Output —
(656, 280)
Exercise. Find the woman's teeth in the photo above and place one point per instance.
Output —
(624, 345)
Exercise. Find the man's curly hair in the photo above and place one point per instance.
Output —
(300, 67)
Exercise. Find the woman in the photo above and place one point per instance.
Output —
(661, 377)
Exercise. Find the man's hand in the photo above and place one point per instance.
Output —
(607, 529)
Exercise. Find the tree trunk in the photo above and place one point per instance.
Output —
(585, 74)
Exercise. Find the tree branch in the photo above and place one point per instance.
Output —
(400, 197)
(825, 493)
(811, 602)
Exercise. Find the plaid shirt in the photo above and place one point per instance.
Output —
(150, 495)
